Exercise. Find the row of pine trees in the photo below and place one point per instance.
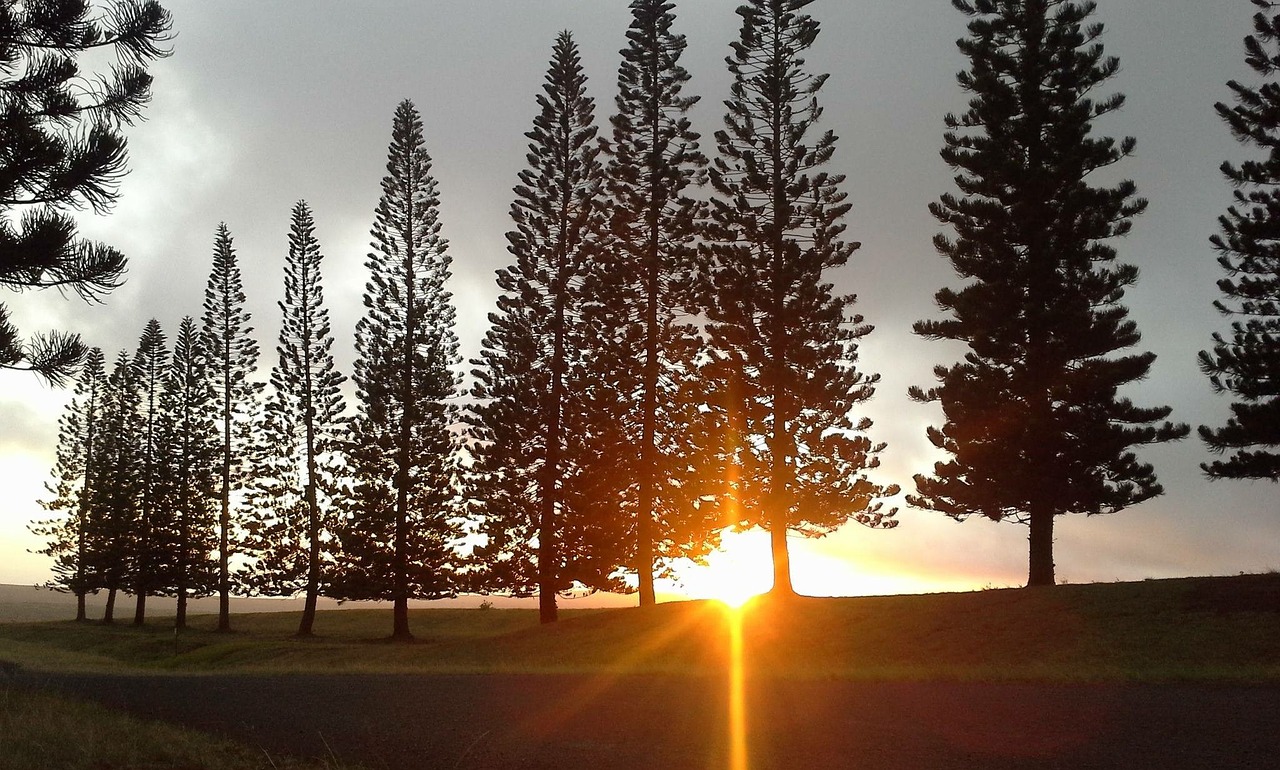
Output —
(660, 364)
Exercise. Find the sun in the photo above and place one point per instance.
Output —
(741, 569)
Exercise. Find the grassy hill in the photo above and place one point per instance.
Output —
(1190, 628)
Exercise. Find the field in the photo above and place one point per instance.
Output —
(1184, 629)
(1136, 648)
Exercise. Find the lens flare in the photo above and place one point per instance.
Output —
(737, 691)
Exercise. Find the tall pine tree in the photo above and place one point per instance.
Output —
(116, 488)
(150, 370)
(782, 375)
(397, 542)
(527, 422)
(653, 159)
(75, 476)
(289, 528)
(192, 485)
(233, 357)
(1033, 423)
(1248, 365)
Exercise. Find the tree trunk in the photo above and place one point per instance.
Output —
(140, 608)
(307, 624)
(180, 622)
(224, 540)
(781, 560)
(547, 610)
(80, 608)
(400, 587)
(109, 614)
(1041, 537)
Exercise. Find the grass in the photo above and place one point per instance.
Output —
(1193, 628)
(42, 732)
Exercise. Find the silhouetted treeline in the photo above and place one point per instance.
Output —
(667, 357)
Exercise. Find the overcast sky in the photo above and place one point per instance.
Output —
(263, 104)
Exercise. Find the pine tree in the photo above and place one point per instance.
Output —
(116, 488)
(150, 369)
(527, 424)
(1248, 365)
(782, 375)
(233, 358)
(62, 149)
(290, 524)
(1034, 426)
(652, 160)
(397, 542)
(74, 482)
(191, 437)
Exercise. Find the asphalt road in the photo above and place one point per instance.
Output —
(424, 722)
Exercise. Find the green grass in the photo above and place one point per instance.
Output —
(1193, 628)
(43, 732)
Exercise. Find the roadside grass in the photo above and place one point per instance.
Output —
(1182, 629)
(43, 732)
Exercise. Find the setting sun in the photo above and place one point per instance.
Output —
(740, 570)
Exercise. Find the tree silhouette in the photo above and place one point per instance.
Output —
(189, 406)
(528, 423)
(116, 488)
(233, 357)
(74, 481)
(1033, 423)
(397, 540)
(290, 522)
(150, 369)
(62, 148)
(782, 378)
(643, 291)
(1246, 366)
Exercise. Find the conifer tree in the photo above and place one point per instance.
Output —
(150, 370)
(116, 488)
(650, 350)
(782, 374)
(397, 541)
(1033, 423)
(233, 357)
(191, 438)
(1248, 364)
(73, 486)
(63, 149)
(290, 524)
(527, 477)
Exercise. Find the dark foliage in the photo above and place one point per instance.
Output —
(233, 358)
(649, 348)
(1033, 423)
(397, 541)
(61, 148)
(115, 489)
(151, 528)
(72, 489)
(289, 525)
(534, 377)
(1247, 365)
(782, 378)
(192, 462)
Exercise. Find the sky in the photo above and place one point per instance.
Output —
(263, 104)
